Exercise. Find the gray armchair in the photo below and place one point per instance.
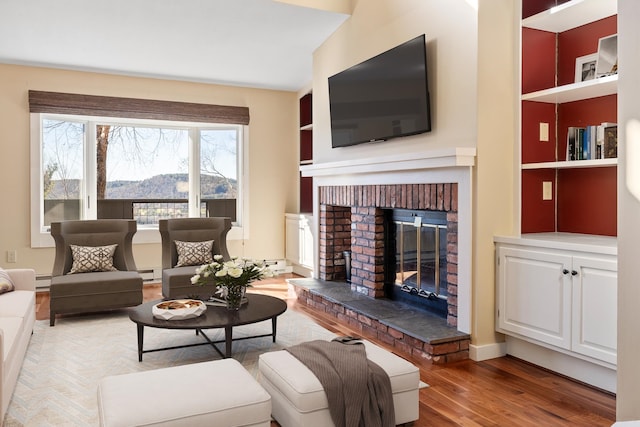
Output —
(89, 290)
(176, 280)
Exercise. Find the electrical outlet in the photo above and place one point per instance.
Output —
(544, 132)
(12, 256)
(547, 190)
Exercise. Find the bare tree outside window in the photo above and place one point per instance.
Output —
(218, 168)
(219, 172)
(62, 153)
(62, 174)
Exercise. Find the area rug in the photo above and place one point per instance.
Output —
(64, 364)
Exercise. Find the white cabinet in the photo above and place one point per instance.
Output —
(300, 243)
(594, 307)
(566, 298)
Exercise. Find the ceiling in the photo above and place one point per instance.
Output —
(253, 43)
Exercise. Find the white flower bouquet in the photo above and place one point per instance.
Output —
(232, 277)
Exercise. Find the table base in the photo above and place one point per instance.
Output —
(228, 340)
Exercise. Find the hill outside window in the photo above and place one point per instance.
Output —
(92, 167)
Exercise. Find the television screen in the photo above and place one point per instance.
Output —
(381, 98)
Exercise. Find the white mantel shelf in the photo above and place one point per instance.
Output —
(433, 159)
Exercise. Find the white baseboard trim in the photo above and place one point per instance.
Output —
(302, 271)
(565, 364)
(479, 353)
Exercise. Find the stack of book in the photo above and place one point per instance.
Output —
(592, 142)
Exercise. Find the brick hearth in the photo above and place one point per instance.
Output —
(417, 334)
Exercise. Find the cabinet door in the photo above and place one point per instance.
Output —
(306, 244)
(534, 295)
(595, 302)
(292, 232)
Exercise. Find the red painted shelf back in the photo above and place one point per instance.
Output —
(306, 194)
(587, 201)
(538, 60)
(306, 145)
(578, 42)
(305, 110)
(538, 216)
(532, 7)
(534, 150)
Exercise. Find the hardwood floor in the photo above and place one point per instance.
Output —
(497, 392)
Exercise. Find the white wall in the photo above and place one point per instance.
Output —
(628, 393)
(495, 169)
(375, 26)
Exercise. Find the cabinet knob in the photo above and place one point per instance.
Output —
(574, 273)
(565, 271)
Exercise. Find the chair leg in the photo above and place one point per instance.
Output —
(52, 319)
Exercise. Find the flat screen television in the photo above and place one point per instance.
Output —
(381, 98)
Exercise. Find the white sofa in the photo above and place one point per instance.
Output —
(17, 316)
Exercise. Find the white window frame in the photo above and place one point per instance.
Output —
(41, 237)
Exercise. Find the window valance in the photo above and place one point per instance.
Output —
(107, 106)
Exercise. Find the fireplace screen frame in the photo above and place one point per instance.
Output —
(395, 280)
(401, 279)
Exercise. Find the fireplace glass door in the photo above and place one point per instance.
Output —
(421, 258)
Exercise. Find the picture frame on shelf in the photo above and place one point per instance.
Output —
(586, 67)
(607, 56)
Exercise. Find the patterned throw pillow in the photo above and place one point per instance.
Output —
(194, 253)
(6, 284)
(88, 259)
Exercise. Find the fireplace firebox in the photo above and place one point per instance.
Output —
(415, 258)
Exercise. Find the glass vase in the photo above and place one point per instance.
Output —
(233, 296)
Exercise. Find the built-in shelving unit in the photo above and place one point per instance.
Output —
(556, 282)
(306, 152)
(560, 195)
(299, 239)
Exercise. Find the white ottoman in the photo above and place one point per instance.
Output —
(298, 399)
(216, 393)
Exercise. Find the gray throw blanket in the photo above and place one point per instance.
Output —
(358, 390)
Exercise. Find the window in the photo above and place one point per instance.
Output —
(94, 167)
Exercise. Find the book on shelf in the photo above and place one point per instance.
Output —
(610, 142)
(599, 142)
(590, 142)
(571, 143)
(580, 152)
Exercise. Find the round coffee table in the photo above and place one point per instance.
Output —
(257, 309)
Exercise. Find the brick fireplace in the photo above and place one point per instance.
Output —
(351, 218)
(438, 178)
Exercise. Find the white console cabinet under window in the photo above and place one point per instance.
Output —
(559, 292)
(300, 243)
